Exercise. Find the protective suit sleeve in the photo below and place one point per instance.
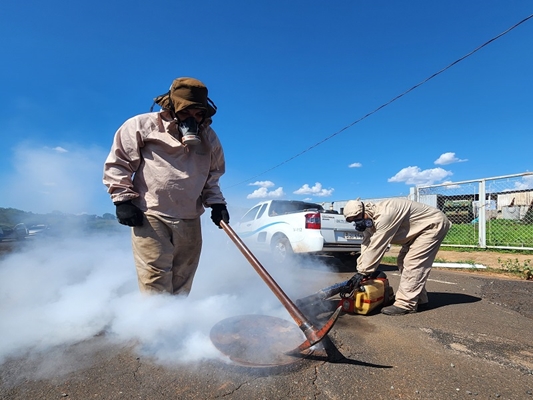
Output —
(211, 194)
(123, 160)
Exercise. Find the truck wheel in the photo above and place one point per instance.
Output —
(281, 249)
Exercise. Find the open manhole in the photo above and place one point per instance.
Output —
(258, 340)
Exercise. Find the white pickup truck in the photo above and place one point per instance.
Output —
(284, 227)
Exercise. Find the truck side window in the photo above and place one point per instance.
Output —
(274, 208)
(250, 215)
(262, 211)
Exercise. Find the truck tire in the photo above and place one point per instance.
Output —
(281, 249)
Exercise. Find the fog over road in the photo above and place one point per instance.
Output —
(474, 342)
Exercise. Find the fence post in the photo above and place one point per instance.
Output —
(482, 216)
(413, 193)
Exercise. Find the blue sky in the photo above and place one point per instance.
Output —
(284, 76)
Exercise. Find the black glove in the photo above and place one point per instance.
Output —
(129, 214)
(354, 282)
(219, 212)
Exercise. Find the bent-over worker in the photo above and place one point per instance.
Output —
(417, 227)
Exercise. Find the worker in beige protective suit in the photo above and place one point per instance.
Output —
(417, 227)
(163, 169)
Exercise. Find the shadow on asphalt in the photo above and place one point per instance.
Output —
(334, 356)
(326, 352)
(442, 299)
(386, 267)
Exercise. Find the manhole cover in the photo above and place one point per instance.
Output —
(258, 340)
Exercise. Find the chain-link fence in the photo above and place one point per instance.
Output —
(486, 213)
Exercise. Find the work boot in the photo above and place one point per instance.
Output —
(395, 310)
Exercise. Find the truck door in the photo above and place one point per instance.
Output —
(249, 227)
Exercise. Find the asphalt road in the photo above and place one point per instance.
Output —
(475, 341)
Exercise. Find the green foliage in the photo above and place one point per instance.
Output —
(9, 217)
(57, 222)
(524, 269)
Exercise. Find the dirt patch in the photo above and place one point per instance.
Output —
(487, 258)
(490, 259)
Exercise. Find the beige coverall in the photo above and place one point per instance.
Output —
(171, 183)
(419, 228)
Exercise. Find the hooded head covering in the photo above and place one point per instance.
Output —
(353, 208)
(185, 93)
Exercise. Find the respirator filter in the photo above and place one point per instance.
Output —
(189, 130)
(362, 224)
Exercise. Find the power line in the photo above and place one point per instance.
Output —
(388, 102)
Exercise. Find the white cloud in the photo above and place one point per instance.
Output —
(315, 190)
(525, 183)
(450, 185)
(355, 165)
(448, 158)
(263, 193)
(264, 184)
(415, 176)
(60, 149)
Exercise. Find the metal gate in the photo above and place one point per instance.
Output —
(486, 213)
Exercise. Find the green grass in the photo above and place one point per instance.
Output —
(477, 249)
(465, 261)
(499, 232)
(389, 260)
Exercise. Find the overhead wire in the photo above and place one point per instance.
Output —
(388, 102)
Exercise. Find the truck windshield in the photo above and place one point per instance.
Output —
(280, 207)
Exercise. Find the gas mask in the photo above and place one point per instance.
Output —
(362, 223)
(189, 130)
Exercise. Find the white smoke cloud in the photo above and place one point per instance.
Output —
(58, 292)
(47, 179)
